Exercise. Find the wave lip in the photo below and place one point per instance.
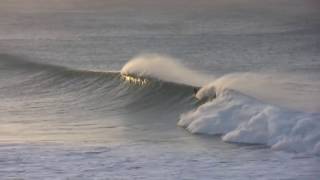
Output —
(164, 68)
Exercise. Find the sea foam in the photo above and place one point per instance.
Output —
(243, 119)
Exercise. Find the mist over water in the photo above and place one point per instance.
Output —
(107, 89)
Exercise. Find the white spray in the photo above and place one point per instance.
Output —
(164, 68)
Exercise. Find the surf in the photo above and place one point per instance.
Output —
(274, 109)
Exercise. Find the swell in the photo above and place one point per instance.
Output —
(103, 93)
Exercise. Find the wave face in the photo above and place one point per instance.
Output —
(277, 110)
(116, 90)
(53, 103)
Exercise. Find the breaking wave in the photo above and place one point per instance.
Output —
(281, 111)
(243, 119)
(277, 110)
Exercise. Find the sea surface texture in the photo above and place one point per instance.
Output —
(148, 89)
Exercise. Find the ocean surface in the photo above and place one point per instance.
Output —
(105, 89)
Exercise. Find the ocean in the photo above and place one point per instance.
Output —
(148, 89)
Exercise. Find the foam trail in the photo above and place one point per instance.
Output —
(164, 68)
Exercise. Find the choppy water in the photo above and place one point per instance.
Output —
(105, 90)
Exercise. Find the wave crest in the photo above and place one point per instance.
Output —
(164, 68)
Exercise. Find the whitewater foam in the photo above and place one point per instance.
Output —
(243, 119)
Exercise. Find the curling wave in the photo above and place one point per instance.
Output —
(164, 68)
(278, 110)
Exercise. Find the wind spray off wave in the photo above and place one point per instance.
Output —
(277, 110)
(164, 68)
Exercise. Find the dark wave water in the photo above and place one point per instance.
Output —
(36, 94)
